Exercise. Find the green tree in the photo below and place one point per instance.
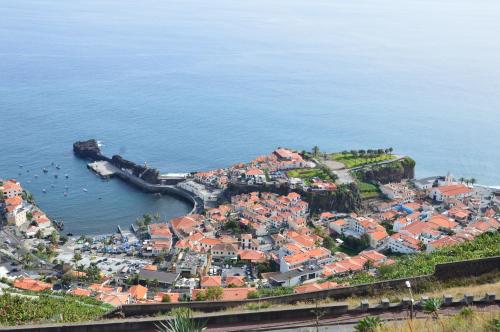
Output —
(201, 296)
(93, 273)
(315, 151)
(77, 257)
(214, 293)
(473, 181)
(53, 238)
(329, 243)
(166, 298)
(39, 234)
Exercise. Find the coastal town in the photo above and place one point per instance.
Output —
(260, 232)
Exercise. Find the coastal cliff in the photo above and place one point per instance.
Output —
(392, 172)
(346, 198)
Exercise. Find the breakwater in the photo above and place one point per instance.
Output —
(143, 177)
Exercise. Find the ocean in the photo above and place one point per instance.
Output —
(194, 85)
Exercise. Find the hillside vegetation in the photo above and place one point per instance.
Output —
(17, 308)
(486, 245)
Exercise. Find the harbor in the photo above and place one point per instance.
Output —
(103, 168)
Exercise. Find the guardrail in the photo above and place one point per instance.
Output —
(460, 269)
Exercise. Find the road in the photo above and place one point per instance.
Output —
(344, 174)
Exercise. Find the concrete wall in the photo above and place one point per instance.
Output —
(443, 272)
(231, 319)
(470, 268)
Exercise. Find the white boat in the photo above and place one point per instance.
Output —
(85, 189)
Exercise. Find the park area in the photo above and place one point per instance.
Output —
(351, 160)
(307, 174)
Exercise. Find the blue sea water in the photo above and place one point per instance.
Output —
(189, 85)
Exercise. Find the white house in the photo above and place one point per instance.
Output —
(11, 188)
(256, 175)
(452, 191)
(403, 244)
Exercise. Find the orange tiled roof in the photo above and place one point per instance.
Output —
(31, 284)
(211, 281)
(80, 292)
(237, 281)
(138, 292)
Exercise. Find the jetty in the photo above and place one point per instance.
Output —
(141, 176)
(103, 168)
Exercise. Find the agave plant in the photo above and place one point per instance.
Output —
(182, 322)
(432, 306)
(368, 324)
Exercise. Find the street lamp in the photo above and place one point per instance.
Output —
(408, 285)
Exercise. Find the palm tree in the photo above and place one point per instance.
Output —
(315, 151)
(462, 179)
(472, 181)
(368, 324)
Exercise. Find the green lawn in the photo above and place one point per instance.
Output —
(350, 160)
(368, 190)
(307, 174)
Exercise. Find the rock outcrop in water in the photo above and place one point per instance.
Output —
(90, 150)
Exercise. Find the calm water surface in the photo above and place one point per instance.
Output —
(191, 84)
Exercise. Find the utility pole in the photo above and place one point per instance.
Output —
(408, 285)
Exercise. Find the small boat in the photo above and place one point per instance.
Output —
(20, 173)
(85, 189)
(27, 171)
(66, 176)
(45, 170)
(36, 176)
(21, 165)
(52, 186)
(58, 167)
(100, 198)
(65, 194)
(44, 191)
(56, 176)
(52, 163)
